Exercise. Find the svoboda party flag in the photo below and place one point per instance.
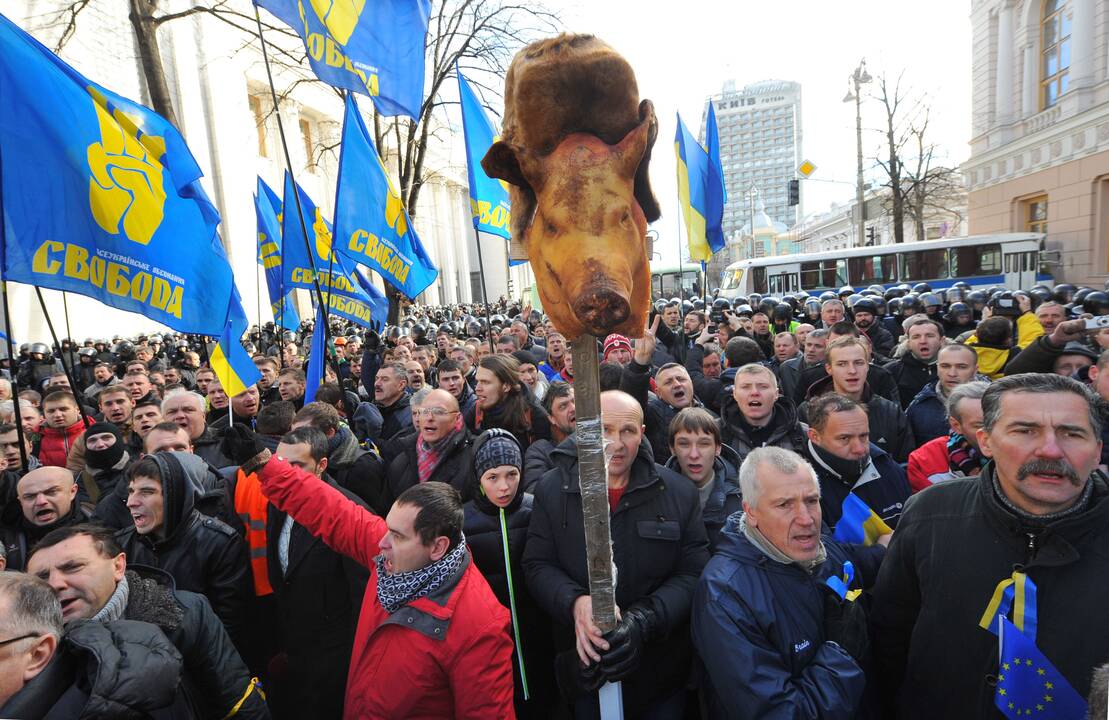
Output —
(372, 47)
(371, 225)
(101, 196)
(489, 202)
(267, 208)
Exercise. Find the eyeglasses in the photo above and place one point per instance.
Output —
(435, 412)
(17, 639)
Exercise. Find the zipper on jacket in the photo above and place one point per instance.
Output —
(1031, 547)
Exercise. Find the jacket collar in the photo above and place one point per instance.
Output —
(643, 472)
(869, 474)
(431, 615)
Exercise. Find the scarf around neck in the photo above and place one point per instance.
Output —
(429, 455)
(397, 590)
(755, 536)
(117, 603)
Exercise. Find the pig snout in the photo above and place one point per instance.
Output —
(602, 308)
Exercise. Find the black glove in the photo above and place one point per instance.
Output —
(626, 642)
(845, 625)
(372, 341)
(240, 444)
(574, 680)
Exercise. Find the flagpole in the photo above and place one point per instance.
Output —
(65, 368)
(484, 294)
(65, 309)
(11, 363)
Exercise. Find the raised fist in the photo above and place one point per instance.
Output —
(340, 17)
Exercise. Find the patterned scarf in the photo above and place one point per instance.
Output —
(963, 456)
(428, 455)
(397, 590)
(117, 603)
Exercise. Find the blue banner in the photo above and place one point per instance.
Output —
(489, 202)
(341, 288)
(370, 220)
(317, 358)
(375, 48)
(101, 196)
(716, 193)
(267, 207)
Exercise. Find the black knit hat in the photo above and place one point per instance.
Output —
(494, 448)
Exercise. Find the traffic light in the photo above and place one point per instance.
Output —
(794, 192)
(872, 236)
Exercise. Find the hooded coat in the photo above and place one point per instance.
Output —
(911, 376)
(659, 549)
(789, 432)
(203, 554)
(758, 626)
(357, 470)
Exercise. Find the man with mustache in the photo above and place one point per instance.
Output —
(1040, 507)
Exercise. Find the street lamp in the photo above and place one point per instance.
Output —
(859, 78)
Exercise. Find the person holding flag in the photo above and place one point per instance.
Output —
(1009, 564)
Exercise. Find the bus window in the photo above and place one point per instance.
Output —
(976, 260)
(841, 273)
(783, 282)
(880, 269)
(924, 265)
(691, 283)
(758, 280)
(656, 287)
(810, 274)
(732, 279)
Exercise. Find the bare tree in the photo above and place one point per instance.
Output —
(893, 100)
(929, 187)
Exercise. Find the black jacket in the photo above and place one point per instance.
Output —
(955, 542)
(202, 554)
(659, 548)
(712, 392)
(725, 497)
(207, 447)
(911, 376)
(357, 470)
(455, 467)
(214, 498)
(889, 426)
(20, 536)
(881, 340)
(883, 486)
(396, 422)
(216, 679)
(788, 431)
(319, 597)
(539, 425)
(121, 669)
(879, 379)
(657, 414)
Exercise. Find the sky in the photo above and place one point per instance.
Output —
(683, 52)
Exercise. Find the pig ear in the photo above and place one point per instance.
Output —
(501, 163)
(643, 193)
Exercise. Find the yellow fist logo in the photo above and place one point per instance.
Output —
(394, 212)
(126, 184)
(340, 17)
(323, 236)
(268, 253)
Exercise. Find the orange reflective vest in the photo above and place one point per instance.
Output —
(252, 507)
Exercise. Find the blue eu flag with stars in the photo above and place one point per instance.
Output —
(1028, 685)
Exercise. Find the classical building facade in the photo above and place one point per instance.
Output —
(1040, 149)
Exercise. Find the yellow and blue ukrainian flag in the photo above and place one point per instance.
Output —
(100, 196)
(700, 193)
(229, 360)
(858, 523)
(371, 225)
(372, 47)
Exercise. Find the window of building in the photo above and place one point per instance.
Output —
(259, 123)
(1055, 44)
(1035, 214)
(309, 144)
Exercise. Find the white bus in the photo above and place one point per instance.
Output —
(1012, 260)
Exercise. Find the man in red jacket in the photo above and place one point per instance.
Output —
(63, 426)
(432, 639)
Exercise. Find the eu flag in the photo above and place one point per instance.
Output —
(343, 293)
(371, 223)
(317, 358)
(101, 196)
(375, 48)
(230, 362)
(1028, 685)
(716, 194)
(489, 202)
(267, 208)
(694, 192)
(859, 524)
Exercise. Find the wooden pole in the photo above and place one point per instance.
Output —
(593, 480)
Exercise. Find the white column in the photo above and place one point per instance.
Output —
(1030, 84)
(1082, 44)
(1004, 90)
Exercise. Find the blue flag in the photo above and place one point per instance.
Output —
(693, 177)
(267, 207)
(317, 358)
(1028, 684)
(859, 524)
(229, 360)
(341, 289)
(375, 48)
(716, 194)
(101, 196)
(370, 220)
(489, 202)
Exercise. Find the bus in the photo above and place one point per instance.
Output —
(672, 281)
(1011, 259)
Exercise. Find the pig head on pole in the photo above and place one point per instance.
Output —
(575, 149)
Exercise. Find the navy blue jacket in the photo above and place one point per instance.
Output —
(725, 498)
(885, 488)
(758, 626)
(928, 415)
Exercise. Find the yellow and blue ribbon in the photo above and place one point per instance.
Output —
(1016, 595)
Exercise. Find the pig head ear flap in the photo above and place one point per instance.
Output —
(643, 194)
(501, 163)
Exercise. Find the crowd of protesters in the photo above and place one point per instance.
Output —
(411, 543)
